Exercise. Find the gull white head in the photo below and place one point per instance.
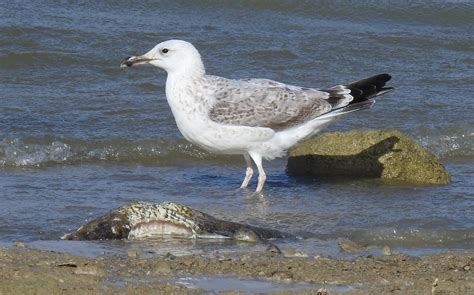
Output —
(173, 56)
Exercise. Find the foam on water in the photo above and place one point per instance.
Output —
(49, 150)
(448, 144)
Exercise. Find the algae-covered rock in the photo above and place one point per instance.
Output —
(384, 154)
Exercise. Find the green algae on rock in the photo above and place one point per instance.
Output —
(386, 154)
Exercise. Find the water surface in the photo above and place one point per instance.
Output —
(79, 135)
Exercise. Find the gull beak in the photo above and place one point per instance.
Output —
(134, 60)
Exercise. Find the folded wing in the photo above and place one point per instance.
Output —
(267, 103)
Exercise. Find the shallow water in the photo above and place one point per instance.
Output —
(251, 286)
(79, 135)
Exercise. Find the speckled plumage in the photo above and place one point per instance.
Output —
(264, 103)
(257, 118)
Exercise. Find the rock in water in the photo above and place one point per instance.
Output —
(386, 154)
(140, 220)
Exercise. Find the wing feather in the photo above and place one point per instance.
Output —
(266, 103)
(275, 105)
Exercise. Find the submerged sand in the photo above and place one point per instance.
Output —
(27, 271)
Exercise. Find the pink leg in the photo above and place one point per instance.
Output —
(262, 177)
(248, 172)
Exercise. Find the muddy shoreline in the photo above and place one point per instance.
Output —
(26, 271)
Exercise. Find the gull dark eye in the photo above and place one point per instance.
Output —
(164, 50)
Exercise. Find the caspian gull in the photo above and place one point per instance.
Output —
(257, 118)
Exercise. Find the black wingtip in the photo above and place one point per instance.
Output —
(386, 77)
(370, 87)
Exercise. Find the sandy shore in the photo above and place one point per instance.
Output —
(26, 271)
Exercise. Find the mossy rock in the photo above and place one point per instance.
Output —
(386, 154)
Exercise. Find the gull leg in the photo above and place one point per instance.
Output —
(248, 172)
(261, 173)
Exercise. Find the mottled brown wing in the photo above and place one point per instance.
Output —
(275, 107)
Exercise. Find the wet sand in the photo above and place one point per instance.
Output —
(27, 271)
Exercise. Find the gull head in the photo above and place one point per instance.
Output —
(173, 56)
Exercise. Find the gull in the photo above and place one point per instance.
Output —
(257, 118)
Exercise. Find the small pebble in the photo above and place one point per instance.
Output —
(387, 251)
(187, 262)
(169, 256)
(132, 253)
(291, 252)
(19, 244)
(434, 285)
(350, 246)
(467, 267)
(162, 268)
(282, 276)
(273, 249)
(87, 270)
